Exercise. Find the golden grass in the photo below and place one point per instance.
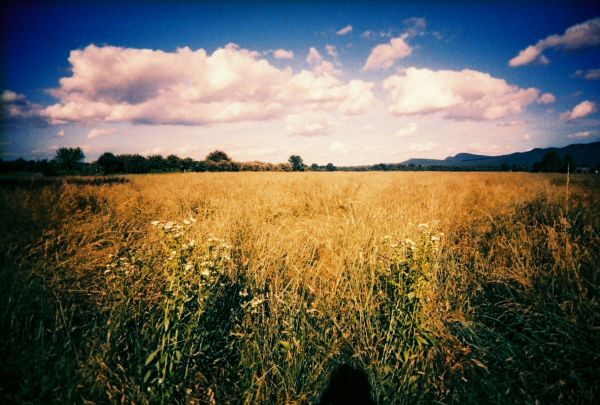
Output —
(293, 273)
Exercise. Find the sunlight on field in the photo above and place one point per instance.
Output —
(252, 287)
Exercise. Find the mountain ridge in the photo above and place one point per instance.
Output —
(584, 154)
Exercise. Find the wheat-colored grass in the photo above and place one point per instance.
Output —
(449, 287)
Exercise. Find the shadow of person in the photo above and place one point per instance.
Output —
(348, 386)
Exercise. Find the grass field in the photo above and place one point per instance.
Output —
(252, 287)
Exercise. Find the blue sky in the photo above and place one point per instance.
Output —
(366, 83)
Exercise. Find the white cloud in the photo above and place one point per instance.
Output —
(331, 51)
(415, 25)
(369, 35)
(547, 98)
(338, 147)
(283, 54)
(9, 96)
(186, 87)
(581, 110)
(94, 133)
(320, 66)
(17, 107)
(313, 56)
(309, 123)
(344, 31)
(60, 133)
(583, 134)
(590, 74)
(465, 94)
(408, 130)
(421, 147)
(586, 34)
(489, 150)
(384, 55)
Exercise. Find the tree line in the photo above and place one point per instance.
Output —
(71, 161)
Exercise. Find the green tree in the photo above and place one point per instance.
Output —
(157, 163)
(551, 162)
(109, 163)
(569, 164)
(297, 163)
(218, 156)
(174, 162)
(330, 167)
(69, 159)
(314, 167)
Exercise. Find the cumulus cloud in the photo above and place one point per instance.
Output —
(344, 31)
(384, 55)
(466, 94)
(95, 133)
(581, 110)
(115, 84)
(17, 106)
(586, 34)
(408, 130)
(283, 54)
(15, 109)
(313, 56)
(590, 74)
(547, 98)
(309, 123)
(319, 65)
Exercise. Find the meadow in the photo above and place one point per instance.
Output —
(252, 287)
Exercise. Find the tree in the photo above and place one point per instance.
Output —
(218, 156)
(297, 163)
(330, 167)
(314, 167)
(174, 162)
(69, 159)
(109, 163)
(157, 163)
(134, 163)
(551, 162)
(569, 164)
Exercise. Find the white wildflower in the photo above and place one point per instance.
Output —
(256, 302)
(188, 266)
(155, 223)
(186, 221)
(205, 273)
(168, 226)
(435, 238)
(422, 226)
(409, 242)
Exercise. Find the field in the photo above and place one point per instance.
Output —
(253, 287)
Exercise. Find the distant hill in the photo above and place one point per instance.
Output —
(584, 154)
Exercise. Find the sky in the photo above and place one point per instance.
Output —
(344, 82)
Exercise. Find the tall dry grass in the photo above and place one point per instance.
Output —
(252, 287)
